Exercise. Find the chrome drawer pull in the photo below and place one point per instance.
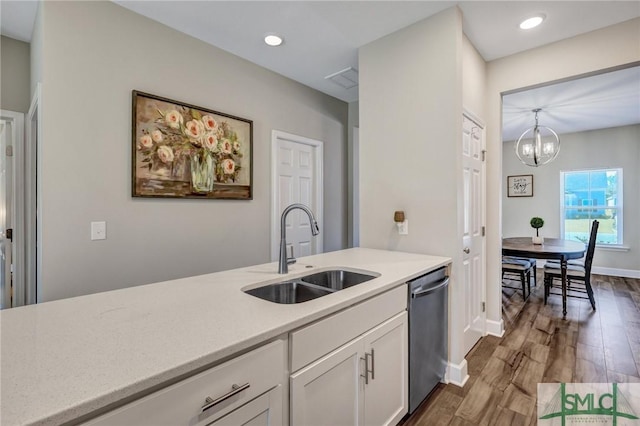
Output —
(373, 365)
(366, 368)
(235, 389)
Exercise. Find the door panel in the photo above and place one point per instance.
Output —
(473, 241)
(6, 206)
(298, 179)
(386, 394)
(329, 391)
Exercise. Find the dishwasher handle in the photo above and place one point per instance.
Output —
(430, 289)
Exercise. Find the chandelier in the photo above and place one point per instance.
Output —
(538, 145)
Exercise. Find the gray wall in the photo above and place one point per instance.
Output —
(14, 75)
(94, 54)
(606, 148)
(410, 155)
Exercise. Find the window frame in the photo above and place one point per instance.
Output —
(618, 207)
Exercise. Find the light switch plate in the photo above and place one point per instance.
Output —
(98, 231)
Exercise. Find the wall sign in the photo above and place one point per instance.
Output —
(520, 186)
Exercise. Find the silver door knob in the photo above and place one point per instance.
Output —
(466, 250)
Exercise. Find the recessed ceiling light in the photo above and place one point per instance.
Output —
(532, 22)
(273, 40)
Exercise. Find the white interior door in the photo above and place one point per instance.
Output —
(11, 134)
(297, 178)
(473, 241)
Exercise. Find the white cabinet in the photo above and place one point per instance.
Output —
(266, 410)
(244, 390)
(329, 391)
(363, 382)
(385, 396)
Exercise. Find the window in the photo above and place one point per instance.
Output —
(589, 195)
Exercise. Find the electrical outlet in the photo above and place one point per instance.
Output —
(403, 229)
(98, 231)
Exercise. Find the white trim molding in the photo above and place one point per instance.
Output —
(495, 328)
(615, 272)
(457, 373)
(612, 272)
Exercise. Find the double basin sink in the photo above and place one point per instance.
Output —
(310, 287)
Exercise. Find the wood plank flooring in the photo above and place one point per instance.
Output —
(540, 347)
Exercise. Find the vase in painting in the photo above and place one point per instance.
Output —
(202, 172)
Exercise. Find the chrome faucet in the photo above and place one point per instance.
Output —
(284, 262)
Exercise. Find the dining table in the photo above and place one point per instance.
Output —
(551, 249)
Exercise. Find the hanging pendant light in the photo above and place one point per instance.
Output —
(538, 145)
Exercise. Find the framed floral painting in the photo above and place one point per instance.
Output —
(184, 151)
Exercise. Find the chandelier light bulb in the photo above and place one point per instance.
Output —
(537, 145)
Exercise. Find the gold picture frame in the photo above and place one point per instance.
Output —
(185, 151)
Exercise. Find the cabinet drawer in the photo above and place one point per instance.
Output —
(182, 403)
(322, 337)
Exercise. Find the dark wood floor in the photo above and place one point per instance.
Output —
(540, 347)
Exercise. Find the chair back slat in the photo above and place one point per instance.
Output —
(591, 248)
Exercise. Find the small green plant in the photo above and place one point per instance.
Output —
(537, 223)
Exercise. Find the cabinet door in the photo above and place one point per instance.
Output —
(266, 410)
(329, 391)
(385, 396)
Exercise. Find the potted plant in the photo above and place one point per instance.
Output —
(537, 223)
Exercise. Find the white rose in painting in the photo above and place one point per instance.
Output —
(165, 153)
(194, 129)
(236, 146)
(211, 141)
(225, 146)
(173, 119)
(146, 141)
(210, 124)
(228, 166)
(156, 135)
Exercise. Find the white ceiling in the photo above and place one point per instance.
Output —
(323, 37)
(600, 101)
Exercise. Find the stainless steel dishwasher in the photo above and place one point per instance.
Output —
(428, 329)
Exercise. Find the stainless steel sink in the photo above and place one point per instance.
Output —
(337, 279)
(289, 292)
(310, 286)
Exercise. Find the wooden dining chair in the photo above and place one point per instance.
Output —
(520, 268)
(578, 273)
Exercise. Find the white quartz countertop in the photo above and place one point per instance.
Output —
(65, 359)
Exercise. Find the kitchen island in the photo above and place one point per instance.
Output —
(64, 360)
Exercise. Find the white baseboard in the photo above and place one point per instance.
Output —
(628, 273)
(612, 272)
(495, 328)
(457, 373)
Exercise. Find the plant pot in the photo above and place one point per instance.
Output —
(537, 240)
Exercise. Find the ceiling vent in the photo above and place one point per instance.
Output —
(347, 78)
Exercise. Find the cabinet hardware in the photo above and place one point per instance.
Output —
(235, 389)
(366, 368)
(373, 365)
